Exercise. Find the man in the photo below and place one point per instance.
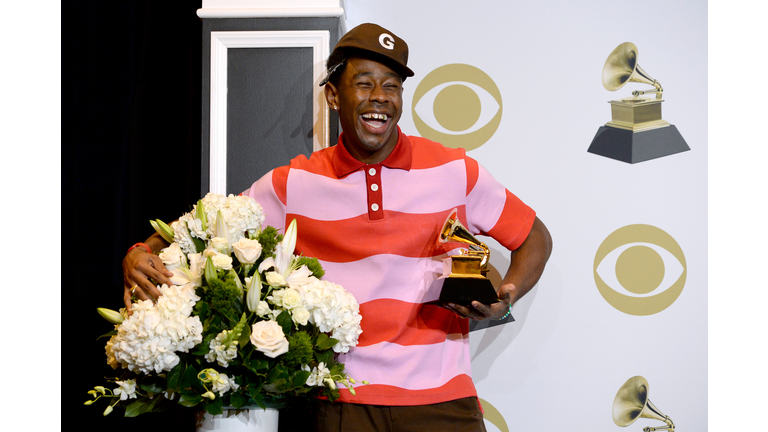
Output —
(370, 209)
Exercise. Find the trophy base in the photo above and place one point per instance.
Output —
(463, 291)
(633, 147)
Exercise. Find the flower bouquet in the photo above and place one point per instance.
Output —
(246, 322)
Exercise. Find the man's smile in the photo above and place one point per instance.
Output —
(375, 122)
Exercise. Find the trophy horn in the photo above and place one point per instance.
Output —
(631, 403)
(621, 67)
(454, 231)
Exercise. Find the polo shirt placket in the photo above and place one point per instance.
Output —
(373, 189)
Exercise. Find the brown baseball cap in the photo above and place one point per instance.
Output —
(374, 42)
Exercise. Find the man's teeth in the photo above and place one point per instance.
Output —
(374, 116)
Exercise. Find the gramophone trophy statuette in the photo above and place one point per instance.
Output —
(464, 275)
(636, 132)
(631, 403)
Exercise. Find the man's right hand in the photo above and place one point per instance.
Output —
(139, 267)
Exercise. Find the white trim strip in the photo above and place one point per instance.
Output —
(221, 42)
(269, 12)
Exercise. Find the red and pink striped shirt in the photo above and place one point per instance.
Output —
(374, 229)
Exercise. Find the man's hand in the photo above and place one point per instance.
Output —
(479, 311)
(139, 267)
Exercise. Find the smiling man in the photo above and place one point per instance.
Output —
(370, 209)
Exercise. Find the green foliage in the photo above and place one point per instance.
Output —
(269, 238)
(301, 351)
(224, 298)
(313, 265)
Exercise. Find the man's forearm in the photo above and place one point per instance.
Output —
(528, 261)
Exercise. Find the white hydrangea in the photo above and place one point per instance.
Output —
(149, 339)
(241, 214)
(333, 310)
(220, 353)
(181, 234)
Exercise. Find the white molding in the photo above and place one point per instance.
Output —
(221, 42)
(271, 3)
(269, 12)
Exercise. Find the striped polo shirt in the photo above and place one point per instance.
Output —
(374, 229)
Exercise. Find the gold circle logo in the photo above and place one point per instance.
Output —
(640, 269)
(457, 105)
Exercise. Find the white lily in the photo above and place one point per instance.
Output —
(289, 239)
(286, 270)
(200, 214)
(222, 231)
(254, 292)
(163, 229)
(110, 315)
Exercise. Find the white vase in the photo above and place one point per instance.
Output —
(251, 419)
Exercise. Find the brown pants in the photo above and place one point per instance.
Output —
(462, 415)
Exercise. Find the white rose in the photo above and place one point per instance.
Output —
(222, 262)
(263, 309)
(246, 250)
(300, 315)
(268, 337)
(275, 279)
(291, 298)
(172, 256)
(220, 244)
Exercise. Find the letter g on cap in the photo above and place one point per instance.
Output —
(387, 41)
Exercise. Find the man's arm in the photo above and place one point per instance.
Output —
(525, 268)
(139, 266)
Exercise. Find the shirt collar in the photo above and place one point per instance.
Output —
(400, 158)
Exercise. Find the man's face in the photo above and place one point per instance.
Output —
(369, 96)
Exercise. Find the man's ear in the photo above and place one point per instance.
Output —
(331, 95)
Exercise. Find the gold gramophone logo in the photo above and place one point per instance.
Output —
(457, 105)
(631, 403)
(636, 132)
(640, 269)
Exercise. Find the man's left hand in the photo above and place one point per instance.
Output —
(478, 311)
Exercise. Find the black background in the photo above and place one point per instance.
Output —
(131, 152)
(131, 144)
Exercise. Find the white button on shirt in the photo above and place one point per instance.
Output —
(374, 187)
(375, 207)
(372, 171)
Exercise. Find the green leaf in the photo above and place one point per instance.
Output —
(215, 406)
(285, 321)
(300, 378)
(324, 342)
(258, 364)
(324, 356)
(190, 400)
(141, 406)
(175, 375)
(107, 335)
(245, 336)
(237, 400)
(257, 397)
(199, 244)
(190, 380)
(151, 387)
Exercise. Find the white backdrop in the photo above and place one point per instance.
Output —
(561, 363)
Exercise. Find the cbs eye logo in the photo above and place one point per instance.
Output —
(457, 105)
(640, 270)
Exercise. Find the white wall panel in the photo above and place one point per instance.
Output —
(560, 364)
